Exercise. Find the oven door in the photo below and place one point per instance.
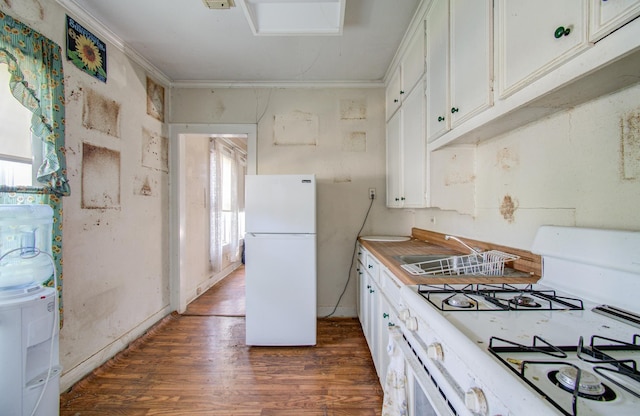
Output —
(423, 396)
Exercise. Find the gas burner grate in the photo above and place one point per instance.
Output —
(599, 352)
(496, 297)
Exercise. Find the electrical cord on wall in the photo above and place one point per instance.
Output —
(353, 255)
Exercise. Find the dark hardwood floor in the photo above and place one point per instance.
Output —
(198, 364)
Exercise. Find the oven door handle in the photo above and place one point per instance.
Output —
(438, 402)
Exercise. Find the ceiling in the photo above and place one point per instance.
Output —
(188, 43)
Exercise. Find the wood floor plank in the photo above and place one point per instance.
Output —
(198, 364)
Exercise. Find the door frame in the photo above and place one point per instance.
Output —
(177, 196)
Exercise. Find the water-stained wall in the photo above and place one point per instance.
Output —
(115, 230)
(580, 167)
(336, 134)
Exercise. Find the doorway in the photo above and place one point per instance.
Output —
(188, 244)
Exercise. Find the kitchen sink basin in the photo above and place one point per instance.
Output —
(451, 265)
(419, 258)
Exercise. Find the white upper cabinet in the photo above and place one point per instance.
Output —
(413, 63)
(414, 150)
(534, 37)
(406, 153)
(394, 161)
(392, 94)
(608, 15)
(471, 59)
(409, 71)
(437, 69)
(459, 62)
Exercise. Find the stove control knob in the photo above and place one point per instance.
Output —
(411, 323)
(405, 314)
(434, 351)
(476, 401)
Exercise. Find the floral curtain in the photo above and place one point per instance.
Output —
(37, 81)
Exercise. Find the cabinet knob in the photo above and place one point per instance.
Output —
(454, 110)
(371, 290)
(397, 199)
(440, 119)
(370, 266)
(401, 92)
(395, 101)
(475, 400)
(402, 199)
(412, 324)
(368, 286)
(385, 315)
(435, 352)
(562, 31)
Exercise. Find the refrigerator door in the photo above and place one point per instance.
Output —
(280, 289)
(280, 204)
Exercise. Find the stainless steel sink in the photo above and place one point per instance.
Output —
(451, 265)
(419, 258)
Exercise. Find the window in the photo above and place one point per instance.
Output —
(17, 164)
(226, 196)
(227, 170)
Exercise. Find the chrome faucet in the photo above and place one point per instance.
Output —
(473, 250)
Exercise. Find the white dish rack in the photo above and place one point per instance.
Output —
(488, 263)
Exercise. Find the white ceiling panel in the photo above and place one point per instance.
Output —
(190, 43)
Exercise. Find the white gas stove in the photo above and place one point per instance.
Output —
(543, 349)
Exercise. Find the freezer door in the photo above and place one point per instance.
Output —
(280, 289)
(280, 204)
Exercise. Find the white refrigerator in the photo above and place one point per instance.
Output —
(280, 259)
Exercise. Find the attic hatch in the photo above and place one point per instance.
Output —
(294, 17)
(219, 4)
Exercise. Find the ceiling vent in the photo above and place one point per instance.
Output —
(219, 4)
(294, 17)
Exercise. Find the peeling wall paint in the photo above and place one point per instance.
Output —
(100, 177)
(507, 158)
(155, 150)
(28, 10)
(116, 258)
(101, 113)
(295, 128)
(355, 141)
(630, 144)
(353, 109)
(508, 208)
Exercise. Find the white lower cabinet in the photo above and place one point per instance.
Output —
(377, 312)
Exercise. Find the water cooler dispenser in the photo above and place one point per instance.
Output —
(29, 355)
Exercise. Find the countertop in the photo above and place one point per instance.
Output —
(428, 242)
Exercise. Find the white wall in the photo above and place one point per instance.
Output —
(568, 169)
(116, 271)
(348, 157)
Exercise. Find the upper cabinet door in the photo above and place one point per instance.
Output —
(394, 161)
(608, 15)
(413, 61)
(471, 63)
(534, 37)
(392, 94)
(438, 69)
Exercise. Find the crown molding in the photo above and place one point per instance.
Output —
(107, 35)
(277, 84)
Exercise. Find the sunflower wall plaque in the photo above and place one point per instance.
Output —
(86, 51)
